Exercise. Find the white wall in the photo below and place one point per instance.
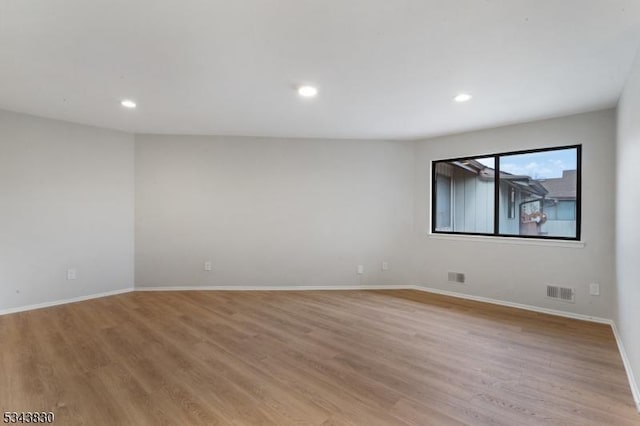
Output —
(275, 212)
(272, 212)
(628, 223)
(66, 201)
(519, 272)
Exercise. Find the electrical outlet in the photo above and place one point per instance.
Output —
(456, 277)
(594, 289)
(360, 269)
(385, 265)
(72, 274)
(207, 265)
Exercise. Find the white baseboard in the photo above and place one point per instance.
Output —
(274, 288)
(309, 288)
(635, 391)
(515, 305)
(201, 288)
(634, 386)
(64, 301)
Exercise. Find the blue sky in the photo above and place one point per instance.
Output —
(539, 165)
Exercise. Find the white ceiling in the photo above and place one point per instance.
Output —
(385, 68)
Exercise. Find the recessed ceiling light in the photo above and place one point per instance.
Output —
(128, 103)
(462, 97)
(307, 91)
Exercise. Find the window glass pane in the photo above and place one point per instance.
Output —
(464, 195)
(566, 210)
(545, 185)
(443, 203)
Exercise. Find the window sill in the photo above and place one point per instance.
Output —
(509, 240)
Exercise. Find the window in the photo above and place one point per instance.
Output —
(443, 214)
(464, 193)
(531, 194)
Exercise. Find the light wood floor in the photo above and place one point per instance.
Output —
(322, 358)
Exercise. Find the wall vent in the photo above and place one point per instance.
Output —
(456, 277)
(561, 293)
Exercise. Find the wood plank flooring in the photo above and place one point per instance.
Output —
(315, 357)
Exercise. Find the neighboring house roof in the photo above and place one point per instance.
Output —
(564, 187)
(470, 165)
(524, 183)
(520, 182)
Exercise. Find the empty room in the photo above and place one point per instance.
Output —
(304, 212)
